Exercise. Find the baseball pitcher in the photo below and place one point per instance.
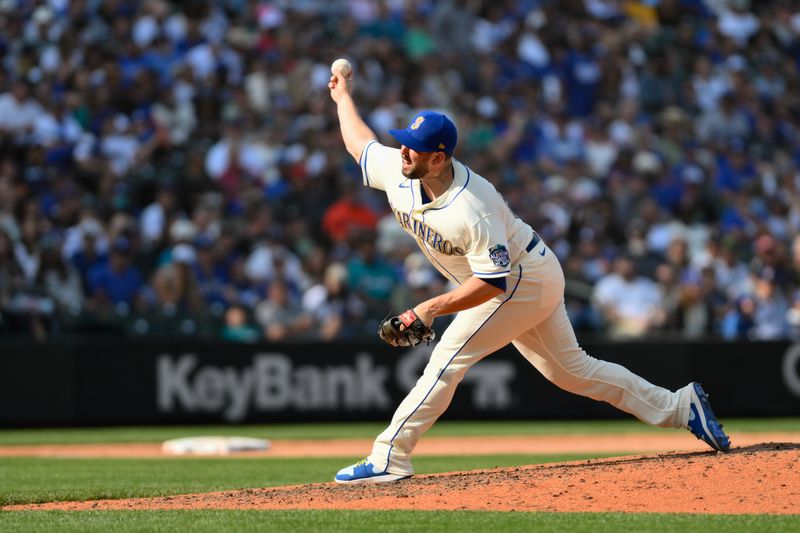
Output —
(509, 288)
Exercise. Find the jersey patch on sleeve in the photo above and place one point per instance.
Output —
(499, 255)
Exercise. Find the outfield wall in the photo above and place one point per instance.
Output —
(187, 383)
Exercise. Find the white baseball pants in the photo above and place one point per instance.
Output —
(532, 316)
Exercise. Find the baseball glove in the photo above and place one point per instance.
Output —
(405, 329)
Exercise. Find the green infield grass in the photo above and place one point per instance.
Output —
(363, 430)
(385, 521)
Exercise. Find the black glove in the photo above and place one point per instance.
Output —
(405, 329)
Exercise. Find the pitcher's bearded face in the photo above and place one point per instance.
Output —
(414, 165)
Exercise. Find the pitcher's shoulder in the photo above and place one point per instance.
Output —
(481, 193)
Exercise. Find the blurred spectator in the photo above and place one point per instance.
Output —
(737, 23)
(210, 273)
(347, 216)
(336, 310)
(175, 284)
(237, 326)
(241, 290)
(771, 307)
(117, 284)
(724, 124)
(562, 140)
(793, 317)
(176, 118)
(420, 282)
(19, 111)
(582, 72)
(270, 261)
(600, 150)
(12, 280)
(238, 159)
(701, 304)
(61, 282)
(677, 256)
(639, 311)
(154, 217)
(28, 249)
(372, 279)
(740, 320)
(730, 272)
(86, 248)
(673, 295)
(280, 318)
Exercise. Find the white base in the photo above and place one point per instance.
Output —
(213, 445)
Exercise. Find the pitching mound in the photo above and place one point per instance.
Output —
(760, 478)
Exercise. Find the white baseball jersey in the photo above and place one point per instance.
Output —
(468, 231)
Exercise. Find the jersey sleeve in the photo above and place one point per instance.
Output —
(488, 254)
(380, 165)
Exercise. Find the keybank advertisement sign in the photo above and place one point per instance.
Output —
(194, 382)
(274, 382)
(790, 369)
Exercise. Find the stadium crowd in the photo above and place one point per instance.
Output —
(176, 168)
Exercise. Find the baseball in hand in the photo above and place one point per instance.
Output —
(342, 67)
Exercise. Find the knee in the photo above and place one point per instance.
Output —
(452, 374)
(580, 364)
(576, 368)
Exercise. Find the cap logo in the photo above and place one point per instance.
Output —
(417, 122)
(441, 146)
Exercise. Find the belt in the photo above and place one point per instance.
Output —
(534, 241)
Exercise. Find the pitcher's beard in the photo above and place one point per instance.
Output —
(414, 173)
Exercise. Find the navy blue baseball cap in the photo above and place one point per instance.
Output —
(429, 131)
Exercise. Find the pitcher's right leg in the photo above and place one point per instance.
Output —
(553, 349)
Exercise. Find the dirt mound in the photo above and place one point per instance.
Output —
(759, 478)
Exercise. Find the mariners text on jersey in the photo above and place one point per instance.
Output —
(430, 236)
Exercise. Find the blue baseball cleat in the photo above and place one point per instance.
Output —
(365, 472)
(702, 422)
